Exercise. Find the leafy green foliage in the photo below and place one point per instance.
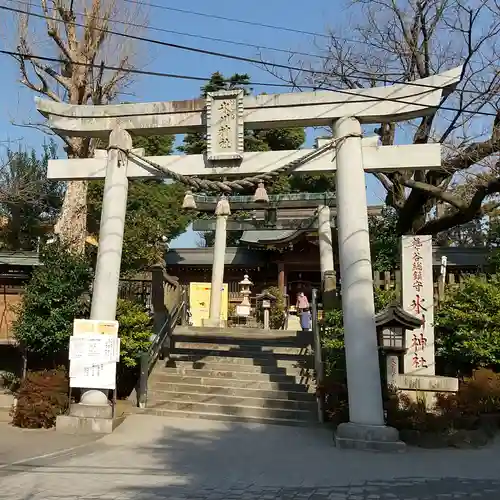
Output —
(333, 333)
(155, 145)
(154, 213)
(41, 397)
(467, 325)
(56, 294)
(494, 261)
(135, 331)
(384, 241)
(29, 201)
(277, 310)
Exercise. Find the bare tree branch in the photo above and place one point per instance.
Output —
(402, 40)
(75, 80)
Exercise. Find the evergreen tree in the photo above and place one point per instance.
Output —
(281, 139)
(154, 214)
(29, 202)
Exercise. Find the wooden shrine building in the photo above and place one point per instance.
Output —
(279, 246)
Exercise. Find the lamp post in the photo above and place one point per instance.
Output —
(392, 324)
(243, 309)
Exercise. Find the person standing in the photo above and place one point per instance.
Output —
(303, 311)
(302, 302)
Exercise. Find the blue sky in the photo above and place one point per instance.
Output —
(17, 105)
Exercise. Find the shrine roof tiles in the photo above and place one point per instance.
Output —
(235, 256)
(269, 236)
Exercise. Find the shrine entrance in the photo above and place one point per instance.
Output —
(223, 117)
(302, 281)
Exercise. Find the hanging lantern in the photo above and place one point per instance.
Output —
(223, 207)
(189, 202)
(260, 195)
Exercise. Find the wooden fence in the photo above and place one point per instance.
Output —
(386, 280)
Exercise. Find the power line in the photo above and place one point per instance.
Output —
(224, 55)
(197, 78)
(137, 71)
(192, 35)
(228, 41)
(205, 51)
(230, 19)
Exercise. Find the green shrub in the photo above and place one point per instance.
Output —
(467, 326)
(135, 331)
(336, 402)
(333, 334)
(56, 294)
(405, 414)
(277, 311)
(478, 395)
(10, 381)
(42, 396)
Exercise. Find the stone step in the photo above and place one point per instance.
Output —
(247, 361)
(257, 377)
(227, 418)
(244, 411)
(229, 383)
(243, 334)
(236, 375)
(157, 399)
(253, 349)
(264, 340)
(291, 369)
(161, 387)
(263, 356)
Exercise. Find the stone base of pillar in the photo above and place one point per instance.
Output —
(368, 437)
(87, 419)
(330, 298)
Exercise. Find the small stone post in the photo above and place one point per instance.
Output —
(222, 211)
(266, 305)
(266, 299)
(366, 427)
(109, 254)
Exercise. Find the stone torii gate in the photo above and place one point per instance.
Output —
(224, 115)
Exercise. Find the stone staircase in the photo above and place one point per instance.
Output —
(244, 375)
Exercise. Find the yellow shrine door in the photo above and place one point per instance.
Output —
(199, 302)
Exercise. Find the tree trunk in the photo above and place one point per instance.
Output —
(71, 226)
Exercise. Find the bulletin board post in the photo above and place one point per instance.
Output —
(94, 351)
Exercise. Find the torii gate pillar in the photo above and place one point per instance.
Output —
(109, 254)
(326, 260)
(366, 425)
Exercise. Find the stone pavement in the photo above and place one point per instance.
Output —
(22, 444)
(152, 458)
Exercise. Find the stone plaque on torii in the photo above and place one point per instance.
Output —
(223, 116)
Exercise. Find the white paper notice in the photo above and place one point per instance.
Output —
(92, 376)
(94, 350)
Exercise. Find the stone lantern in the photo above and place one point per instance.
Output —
(243, 309)
(266, 300)
(392, 324)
